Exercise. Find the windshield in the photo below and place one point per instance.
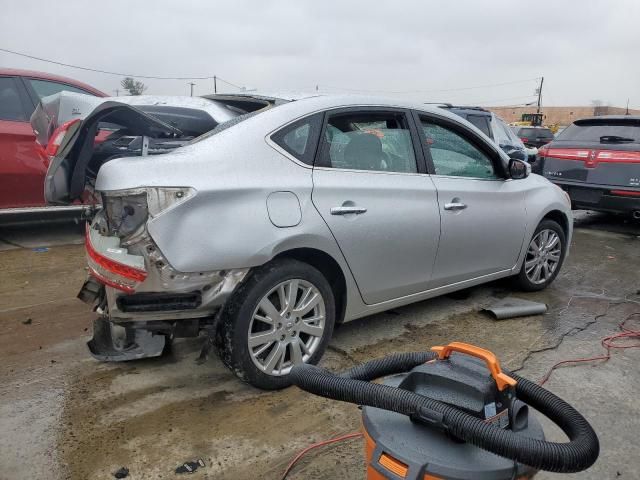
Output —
(536, 132)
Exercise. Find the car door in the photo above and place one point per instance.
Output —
(22, 166)
(482, 213)
(371, 188)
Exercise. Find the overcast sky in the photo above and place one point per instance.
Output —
(434, 50)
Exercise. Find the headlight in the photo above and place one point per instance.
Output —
(127, 211)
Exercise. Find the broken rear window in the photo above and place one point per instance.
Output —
(192, 122)
(595, 130)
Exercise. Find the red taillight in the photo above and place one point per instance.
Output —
(524, 140)
(58, 135)
(111, 272)
(567, 153)
(591, 157)
(543, 151)
(618, 156)
(625, 193)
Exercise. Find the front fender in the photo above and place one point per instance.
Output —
(544, 200)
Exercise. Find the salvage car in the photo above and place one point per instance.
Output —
(597, 161)
(296, 216)
(22, 162)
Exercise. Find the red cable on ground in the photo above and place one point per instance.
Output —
(316, 445)
(608, 342)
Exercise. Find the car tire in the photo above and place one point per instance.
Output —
(260, 310)
(544, 257)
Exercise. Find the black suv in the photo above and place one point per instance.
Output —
(597, 161)
(493, 127)
(534, 136)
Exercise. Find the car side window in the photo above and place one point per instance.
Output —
(11, 106)
(44, 88)
(300, 138)
(373, 141)
(453, 155)
(481, 122)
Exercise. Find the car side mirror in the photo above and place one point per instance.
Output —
(518, 169)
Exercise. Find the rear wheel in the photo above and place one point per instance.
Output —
(544, 257)
(281, 316)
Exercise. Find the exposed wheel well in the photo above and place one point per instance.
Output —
(329, 268)
(560, 218)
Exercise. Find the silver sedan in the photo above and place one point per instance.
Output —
(295, 216)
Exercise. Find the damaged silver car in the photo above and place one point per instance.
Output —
(291, 217)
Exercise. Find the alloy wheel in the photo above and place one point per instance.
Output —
(543, 256)
(286, 327)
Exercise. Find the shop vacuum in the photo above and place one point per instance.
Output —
(452, 413)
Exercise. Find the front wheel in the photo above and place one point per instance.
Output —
(282, 315)
(544, 257)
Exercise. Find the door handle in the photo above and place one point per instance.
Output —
(455, 206)
(348, 210)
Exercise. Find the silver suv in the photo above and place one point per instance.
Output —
(295, 216)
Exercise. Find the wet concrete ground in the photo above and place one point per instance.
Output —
(65, 415)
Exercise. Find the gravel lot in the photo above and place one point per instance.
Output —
(65, 415)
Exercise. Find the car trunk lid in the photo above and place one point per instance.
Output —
(74, 167)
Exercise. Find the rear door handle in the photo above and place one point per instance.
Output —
(455, 206)
(348, 210)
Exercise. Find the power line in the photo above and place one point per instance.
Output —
(150, 77)
(504, 99)
(228, 83)
(356, 90)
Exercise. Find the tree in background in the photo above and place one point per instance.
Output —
(134, 87)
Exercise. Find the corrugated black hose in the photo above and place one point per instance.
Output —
(354, 386)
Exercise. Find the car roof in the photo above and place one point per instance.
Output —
(352, 100)
(14, 72)
(85, 104)
(468, 109)
(219, 112)
(630, 118)
(322, 101)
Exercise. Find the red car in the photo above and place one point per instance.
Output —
(23, 163)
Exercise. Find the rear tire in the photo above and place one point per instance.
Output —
(282, 315)
(544, 257)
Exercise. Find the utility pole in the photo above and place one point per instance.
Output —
(540, 93)
(117, 92)
(627, 113)
(192, 84)
(215, 84)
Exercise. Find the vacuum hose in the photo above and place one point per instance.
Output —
(355, 386)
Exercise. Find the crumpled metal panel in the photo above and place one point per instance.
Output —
(511, 307)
